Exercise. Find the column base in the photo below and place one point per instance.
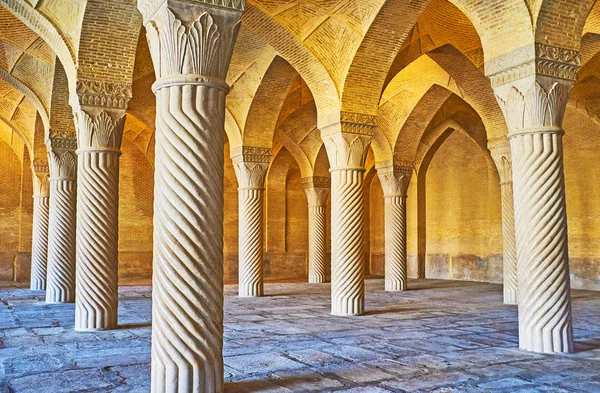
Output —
(395, 286)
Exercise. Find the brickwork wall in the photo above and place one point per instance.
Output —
(136, 199)
(10, 210)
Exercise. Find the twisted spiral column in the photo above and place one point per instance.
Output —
(534, 108)
(251, 207)
(99, 140)
(317, 190)
(500, 149)
(510, 252)
(187, 295)
(394, 181)
(61, 239)
(251, 164)
(395, 243)
(347, 242)
(39, 244)
(545, 323)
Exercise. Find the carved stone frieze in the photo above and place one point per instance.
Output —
(251, 154)
(316, 182)
(104, 94)
(529, 60)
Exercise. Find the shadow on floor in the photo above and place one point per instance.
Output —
(135, 325)
(587, 345)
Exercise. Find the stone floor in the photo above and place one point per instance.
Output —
(441, 336)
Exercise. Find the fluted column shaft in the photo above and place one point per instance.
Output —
(251, 165)
(99, 140)
(62, 227)
(534, 109)
(500, 149)
(317, 191)
(41, 211)
(395, 181)
(187, 296)
(347, 154)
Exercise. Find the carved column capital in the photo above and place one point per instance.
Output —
(191, 42)
(534, 104)
(41, 176)
(99, 129)
(347, 150)
(62, 158)
(317, 190)
(500, 151)
(251, 165)
(395, 180)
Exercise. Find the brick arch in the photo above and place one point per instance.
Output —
(446, 105)
(267, 103)
(17, 131)
(572, 15)
(107, 26)
(49, 33)
(491, 20)
(298, 56)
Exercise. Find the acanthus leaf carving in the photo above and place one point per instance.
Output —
(500, 151)
(347, 151)
(202, 47)
(63, 165)
(100, 131)
(41, 184)
(538, 107)
(395, 180)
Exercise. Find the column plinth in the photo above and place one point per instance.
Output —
(62, 227)
(533, 106)
(317, 191)
(251, 164)
(41, 213)
(395, 181)
(187, 295)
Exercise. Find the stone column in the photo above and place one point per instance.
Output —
(533, 99)
(317, 191)
(100, 122)
(41, 211)
(251, 164)
(61, 238)
(394, 181)
(500, 149)
(347, 153)
(191, 43)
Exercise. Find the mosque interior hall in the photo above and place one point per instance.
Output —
(374, 196)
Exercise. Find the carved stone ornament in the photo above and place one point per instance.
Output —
(251, 154)
(40, 165)
(350, 122)
(63, 164)
(316, 182)
(347, 150)
(104, 94)
(62, 135)
(500, 151)
(535, 105)
(540, 59)
(395, 180)
(191, 45)
(100, 131)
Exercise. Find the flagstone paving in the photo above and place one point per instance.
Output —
(441, 336)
